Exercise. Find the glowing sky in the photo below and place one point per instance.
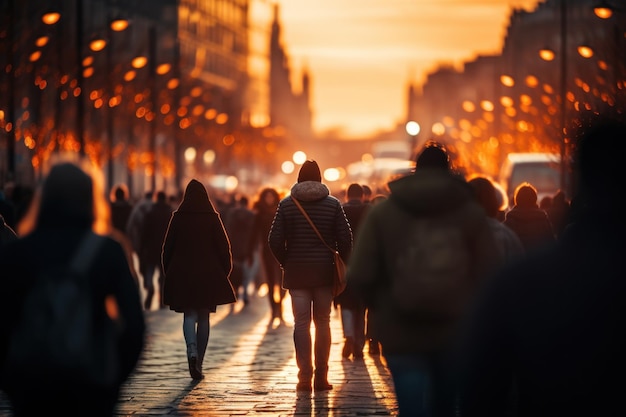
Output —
(361, 54)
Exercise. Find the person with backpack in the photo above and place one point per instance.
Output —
(71, 320)
(418, 259)
(197, 261)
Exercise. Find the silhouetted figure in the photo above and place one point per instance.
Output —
(120, 208)
(559, 212)
(134, 227)
(527, 220)
(508, 243)
(153, 230)
(552, 325)
(308, 267)
(351, 305)
(417, 261)
(238, 223)
(68, 206)
(197, 262)
(265, 209)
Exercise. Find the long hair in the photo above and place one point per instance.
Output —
(71, 195)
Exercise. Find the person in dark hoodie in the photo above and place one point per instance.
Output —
(307, 265)
(417, 261)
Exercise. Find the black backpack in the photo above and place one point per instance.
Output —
(57, 341)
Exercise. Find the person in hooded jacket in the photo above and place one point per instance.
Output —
(419, 345)
(197, 261)
(69, 205)
(308, 268)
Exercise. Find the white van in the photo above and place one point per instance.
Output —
(542, 170)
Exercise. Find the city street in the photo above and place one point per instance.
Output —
(250, 370)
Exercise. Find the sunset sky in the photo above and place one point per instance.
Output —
(361, 54)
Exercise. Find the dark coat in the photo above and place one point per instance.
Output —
(355, 211)
(305, 260)
(553, 324)
(110, 274)
(153, 229)
(532, 226)
(196, 255)
(424, 196)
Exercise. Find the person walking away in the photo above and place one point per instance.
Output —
(418, 259)
(265, 208)
(508, 243)
(121, 209)
(134, 226)
(308, 267)
(69, 205)
(551, 325)
(154, 226)
(559, 213)
(238, 224)
(197, 262)
(527, 220)
(351, 306)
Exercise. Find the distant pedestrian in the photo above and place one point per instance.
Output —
(68, 206)
(154, 226)
(265, 209)
(418, 260)
(551, 327)
(527, 220)
(238, 223)
(559, 212)
(197, 262)
(120, 207)
(508, 243)
(350, 303)
(135, 224)
(308, 268)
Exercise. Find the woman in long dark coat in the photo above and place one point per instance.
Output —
(197, 261)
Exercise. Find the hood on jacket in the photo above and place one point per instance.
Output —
(430, 191)
(309, 191)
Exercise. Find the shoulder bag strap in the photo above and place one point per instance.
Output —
(312, 224)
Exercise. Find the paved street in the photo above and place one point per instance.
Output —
(250, 370)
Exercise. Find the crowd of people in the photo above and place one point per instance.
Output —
(477, 308)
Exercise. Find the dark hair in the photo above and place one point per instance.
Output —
(525, 195)
(354, 191)
(309, 171)
(434, 155)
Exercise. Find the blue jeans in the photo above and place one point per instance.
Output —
(314, 303)
(423, 384)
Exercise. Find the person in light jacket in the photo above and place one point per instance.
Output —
(307, 265)
(197, 261)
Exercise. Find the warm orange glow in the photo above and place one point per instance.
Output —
(221, 118)
(88, 61)
(506, 101)
(585, 51)
(97, 45)
(531, 81)
(210, 114)
(163, 69)
(486, 105)
(130, 75)
(172, 83)
(196, 92)
(468, 106)
(88, 72)
(51, 18)
(507, 80)
(42, 41)
(34, 57)
(228, 140)
(603, 12)
(547, 54)
(139, 62)
(197, 110)
(119, 24)
(165, 108)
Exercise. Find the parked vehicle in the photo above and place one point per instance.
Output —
(542, 170)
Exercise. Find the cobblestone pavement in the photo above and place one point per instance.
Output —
(250, 370)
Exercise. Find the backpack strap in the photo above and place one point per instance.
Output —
(87, 249)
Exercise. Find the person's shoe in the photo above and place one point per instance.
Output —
(303, 387)
(322, 386)
(193, 368)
